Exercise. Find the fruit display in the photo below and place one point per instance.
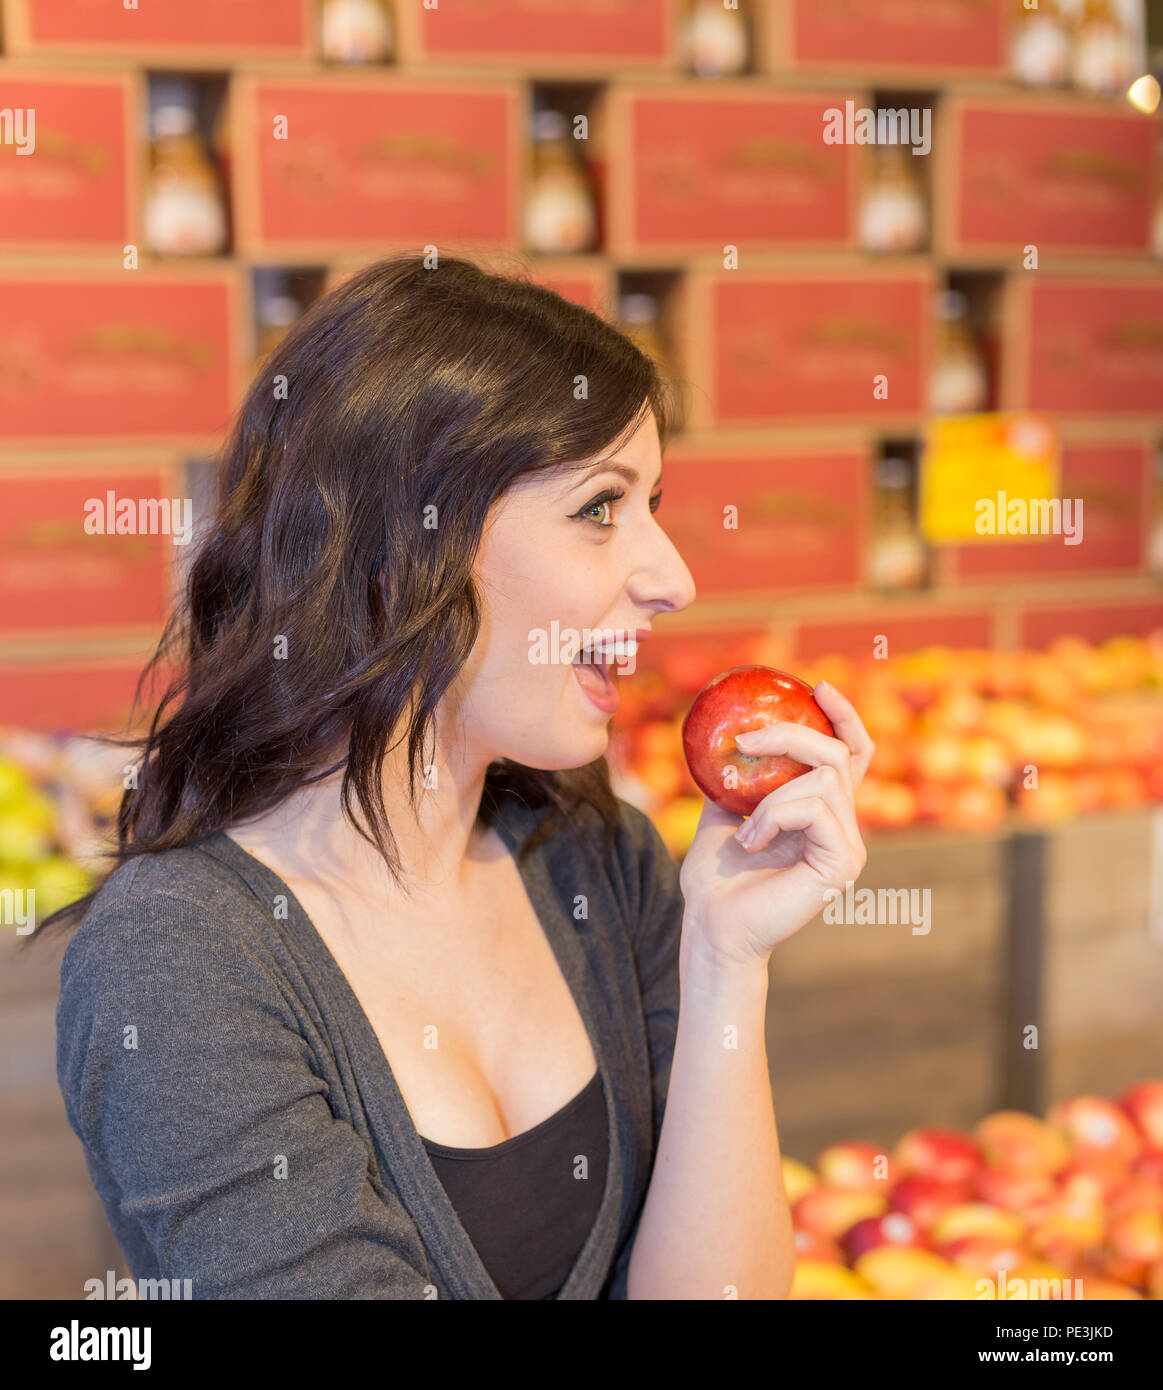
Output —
(58, 803)
(967, 739)
(736, 702)
(1076, 1196)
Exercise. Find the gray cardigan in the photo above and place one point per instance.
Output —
(239, 1118)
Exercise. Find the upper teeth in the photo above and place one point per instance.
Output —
(610, 651)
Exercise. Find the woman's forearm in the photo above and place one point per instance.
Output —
(716, 1222)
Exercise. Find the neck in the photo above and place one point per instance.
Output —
(438, 842)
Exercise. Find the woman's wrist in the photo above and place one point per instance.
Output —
(708, 971)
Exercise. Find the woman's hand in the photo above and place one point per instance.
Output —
(742, 900)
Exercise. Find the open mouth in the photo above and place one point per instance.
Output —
(592, 669)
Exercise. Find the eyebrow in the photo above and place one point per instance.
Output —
(622, 469)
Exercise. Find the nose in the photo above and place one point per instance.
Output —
(662, 579)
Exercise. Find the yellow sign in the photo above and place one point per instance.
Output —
(979, 474)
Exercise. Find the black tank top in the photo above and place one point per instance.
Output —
(524, 1210)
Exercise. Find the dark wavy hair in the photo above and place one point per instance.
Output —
(405, 388)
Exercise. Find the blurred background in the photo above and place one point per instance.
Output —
(868, 335)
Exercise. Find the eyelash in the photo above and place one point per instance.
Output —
(611, 494)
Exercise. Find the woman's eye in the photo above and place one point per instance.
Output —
(594, 511)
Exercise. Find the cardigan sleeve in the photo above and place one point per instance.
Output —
(192, 1090)
(658, 929)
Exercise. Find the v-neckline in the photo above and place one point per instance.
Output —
(387, 1106)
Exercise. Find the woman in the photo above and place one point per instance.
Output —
(389, 994)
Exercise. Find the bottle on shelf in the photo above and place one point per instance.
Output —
(713, 40)
(960, 381)
(898, 558)
(560, 216)
(638, 319)
(275, 309)
(185, 208)
(1107, 56)
(893, 211)
(1040, 44)
(357, 31)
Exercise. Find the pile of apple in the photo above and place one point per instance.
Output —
(58, 802)
(965, 738)
(1076, 1196)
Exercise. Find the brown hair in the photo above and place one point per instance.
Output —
(405, 388)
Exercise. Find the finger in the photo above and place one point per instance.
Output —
(821, 828)
(826, 782)
(848, 725)
(798, 741)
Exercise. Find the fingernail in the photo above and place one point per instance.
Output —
(825, 687)
(741, 740)
(746, 833)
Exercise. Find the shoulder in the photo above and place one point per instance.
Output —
(162, 922)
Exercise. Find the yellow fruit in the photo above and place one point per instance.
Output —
(798, 1178)
(816, 1280)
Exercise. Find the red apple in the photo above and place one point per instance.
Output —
(734, 702)
(1013, 1191)
(1144, 1104)
(1097, 1129)
(829, 1211)
(1149, 1165)
(854, 1165)
(893, 1228)
(924, 1199)
(1133, 1244)
(1021, 1143)
(810, 1246)
(938, 1152)
(983, 1255)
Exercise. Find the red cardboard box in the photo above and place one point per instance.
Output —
(81, 696)
(1094, 622)
(903, 630)
(1083, 345)
(767, 519)
(93, 355)
(78, 188)
(696, 168)
(70, 562)
(204, 33)
(1063, 175)
(919, 39)
(1113, 483)
(557, 36)
(374, 161)
(810, 346)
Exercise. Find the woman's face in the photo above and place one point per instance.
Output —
(567, 559)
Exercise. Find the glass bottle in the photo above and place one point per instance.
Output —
(559, 203)
(357, 31)
(713, 40)
(1040, 44)
(185, 211)
(1105, 49)
(893, 212)
(275, 309)
(898, 558)
(638, 319)
(960, 381)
